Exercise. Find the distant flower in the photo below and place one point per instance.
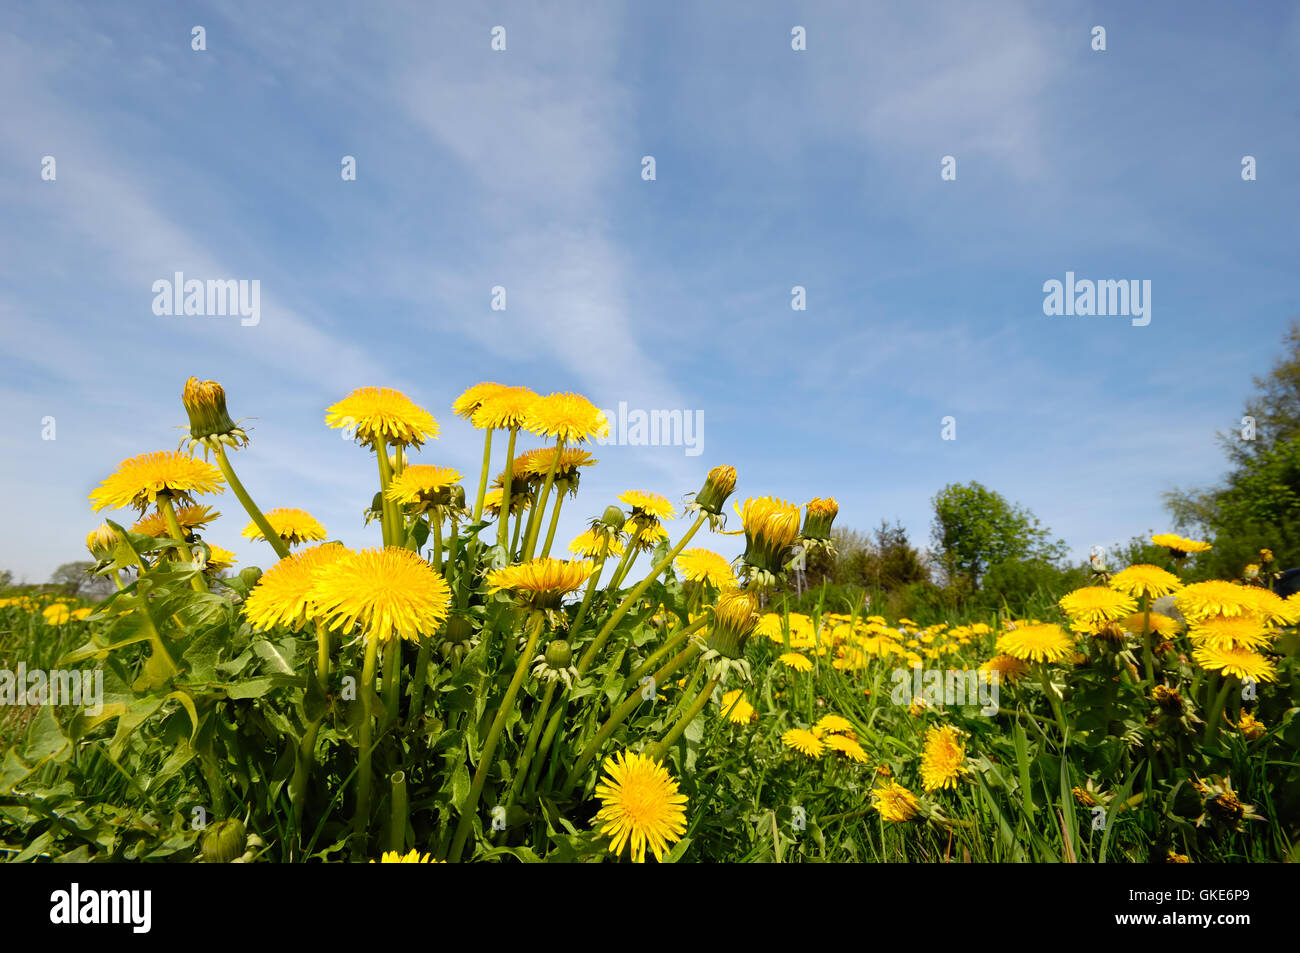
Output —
(292, 525)
(796, 661)
(1143, 580)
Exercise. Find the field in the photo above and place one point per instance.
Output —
(461, 693)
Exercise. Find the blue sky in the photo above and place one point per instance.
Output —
(775, 168)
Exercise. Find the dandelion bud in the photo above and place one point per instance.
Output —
(614, 518)
(819, 514)
(558, 654)
(734, 619)
(223, 841)
(210, 424)
(459, 629)
(771, 530)
(102, 542)
(718, 485)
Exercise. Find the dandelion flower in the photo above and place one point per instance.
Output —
(414, 857)
(796, 661)
(219, 558)
(1164, 626)
(835, 724)
(737, 709)
(895, 802)
(1094, 606)
(943, 760)
(803, 741)
(504, 409)
(1008, 668)
(294, 526)
(648, 504)
(1251, 728)
(1036, 643)
(1178, 546)
(819, 514)
(1216, 597)
(381, 413)
(141, 480)
(570, 418)
(468, 403)
(282, 595)
(190, 518)
(390, 592)
(422, 486)
(640, 806)
(1231, 631)
(56, 614)
(704, 565)
(846, 746)
(771, 528)
(1238, 661)
(1142, 580)
(541, 583)
(592, 542)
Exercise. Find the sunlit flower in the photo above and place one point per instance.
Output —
(737, 709)
(541, 583)
(771, 528)
(56, 614)
(1178, 546)
(1241, 662)
(895, 802)
(210, 423)
(1008, 668)
(819, 514)
(591, 543)
(1231, 631)
(1164, 626)
(422, 486)
(796, 661)
(1094, 606)
(845, 746)
(648, 504)
(1215, 597)
(103, 541)
(468, 403)
(292, 525)
(1251, 728)
(414, 857)
(219, 558)
(641, 806)
(389, 592)
(141, 480)
(835, 725)
(803, 741)
(1036, 643)
(381, 413)
(703, 565)
(570, 418)
(190, 518)
(282, 595)
(1143, 580)
(504, 409)
(943, 759)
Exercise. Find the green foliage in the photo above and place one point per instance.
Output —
(976, 528)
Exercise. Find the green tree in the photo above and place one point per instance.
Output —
(975, 528)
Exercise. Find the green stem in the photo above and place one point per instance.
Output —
(675, 640)
(483, 477)
(631, 598)
(535, 526)
(1216, 709)
(561, 490)
(386, 507)
(660, 748)
(489, 747)
(416, 711)
(281, 549)
(174, 527)
(525, 762)
(361, 819)
(592, 582)
(397, 819)
(435, 530)
(392, 676)
(504, 518)
(1148, 657)
(1055, 702)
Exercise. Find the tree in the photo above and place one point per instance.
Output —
(975, 528)
(76, 580)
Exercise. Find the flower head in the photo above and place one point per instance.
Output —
(414, 857)
(423, 487)
(381, 413)
(1150, 582)
(834, 724)
(569, 418)
(735, 616)
(1178, 546)
(819, 514)
(737, 708)
(1238, 661)
(1036, 643)
(703, 565)
(943, 760)
(504, 409)
(640, 806)
(540, 583)
(468, 403)
(389, 592)
(771, 530)
(141, 480)
(845, 746)
(292, 525)
(283, 594)
(648, 507)
(718, 485)
(103, 542)
(895, 802)
(795, 660)
(210, 423)
(592, 543)
(1201, 600)
(190, 518)
(803, 741)
(1093, 606)
(1008, 668)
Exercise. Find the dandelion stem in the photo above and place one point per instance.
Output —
(494, 735)
(503, 516)
(525, 761)
(397, 819)
(392, 676)
(592, 581)
(660, 748)
(561, 489)
(362, 817)
(483, 477)
(635, 594)
(174, 527)
(388, 520)
(281, 549)
(535, 525)
(1216, 709)
(1148, 658)
(416, 710)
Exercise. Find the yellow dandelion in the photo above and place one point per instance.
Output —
(1094, 606)
(414, 857)
(504, 409)
(1270, 607)
(736, 708)
(800, 663)
(648, 504)
(190, 518)
(835, 724)
(641, 806)
(803, 741)
(1178, 546)
(1216, 597)
(292, 525)
(570, 418)
(541, 583)
(536, 464)
(219, 558)
(592, 542)
(141, 480)
(423, 485)
(1036, 643)
(647, 536)
(1231, 631)
(1163, 625)
(282, 595)
(895, 802)
(704, 565)
(1241, 662)
(845, 746)
(56, 614)
(468, 403)
(943, 759)
(381, 413)
(1144, 580)
(1251, 728)
(389, 592)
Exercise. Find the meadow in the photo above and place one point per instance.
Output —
(475, 689)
